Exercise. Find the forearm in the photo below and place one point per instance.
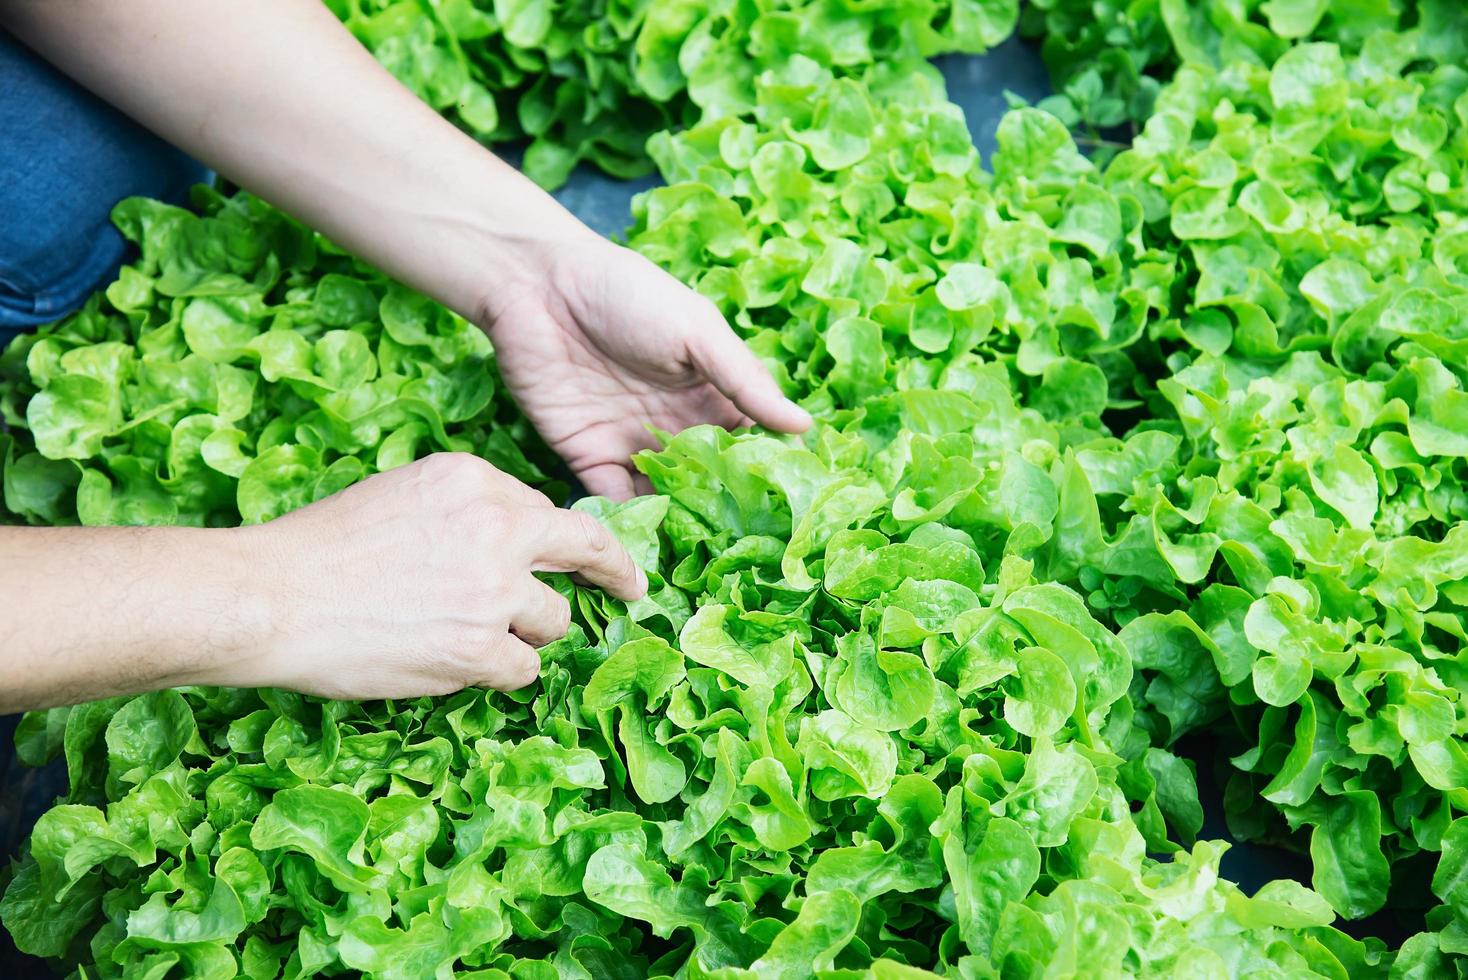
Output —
(93, 612)
(280, 98)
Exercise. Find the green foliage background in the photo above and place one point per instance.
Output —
(1110, 451)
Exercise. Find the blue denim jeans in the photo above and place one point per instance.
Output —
(66, 157)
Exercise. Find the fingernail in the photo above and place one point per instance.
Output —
(642, 581)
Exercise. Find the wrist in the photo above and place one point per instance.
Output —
(516, 248)
(243, 608)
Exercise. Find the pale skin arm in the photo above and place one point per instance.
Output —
(92, 612)
(383, 590)
(280, 98)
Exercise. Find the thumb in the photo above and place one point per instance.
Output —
(731, 367)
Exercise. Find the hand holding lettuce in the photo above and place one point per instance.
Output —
(603, 349)
(419, 581)
(422, 581)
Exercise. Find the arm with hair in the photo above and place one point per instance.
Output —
(595, 342)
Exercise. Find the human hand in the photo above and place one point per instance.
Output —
(418, 581)
(603, 343)
(596, 342)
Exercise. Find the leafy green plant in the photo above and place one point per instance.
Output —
(1108, 57)
(592, 80)
(1298, 262)
(1222, 314)
(241, 367)
(740, 775)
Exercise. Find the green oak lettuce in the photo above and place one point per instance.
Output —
(241, 367)
(1109, 58)
(1244, 329)
(1318, 391)
(737, 776)
(591, 80)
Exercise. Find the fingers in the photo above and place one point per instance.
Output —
(513, 665)
(543, 617)
(732, 368)
(575, 542)
(610, 480)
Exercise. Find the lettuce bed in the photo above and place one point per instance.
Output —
(1107, 457)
